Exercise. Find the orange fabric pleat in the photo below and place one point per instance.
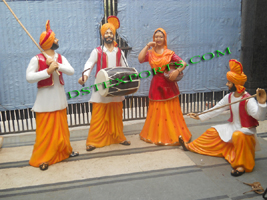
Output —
(106, 126)
(240, 152)
(165, 123)
(52, 142)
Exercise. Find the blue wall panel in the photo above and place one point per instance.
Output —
(76, 24)
(194, 27)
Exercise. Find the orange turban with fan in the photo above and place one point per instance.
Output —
(113, 24)
(236, 75)
(47, 37)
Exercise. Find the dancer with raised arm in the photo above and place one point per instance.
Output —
(164, 121)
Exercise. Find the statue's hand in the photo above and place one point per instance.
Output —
(49, 61)
(80, 81)
(193, 115)
(174, 74)
(261, 95)
(52, 67)
(151, 44)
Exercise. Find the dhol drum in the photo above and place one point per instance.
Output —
(167, 73)
(117, 81)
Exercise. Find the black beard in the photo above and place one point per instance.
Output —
(233, 88)
(54, 46)
(108, 41)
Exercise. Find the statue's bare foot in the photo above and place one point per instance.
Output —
(238, 171)
(43, 166)
(126, 142)
(90, 148)
(74, 153)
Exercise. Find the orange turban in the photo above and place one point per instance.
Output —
(165, 36)
(107, 26)
(47, 37)
(236, 75)
(113, 24)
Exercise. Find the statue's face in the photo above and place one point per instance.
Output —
(231, 86)
(159, 38)
(108, 37)
(55, 44)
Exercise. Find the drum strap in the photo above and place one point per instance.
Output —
(126, 64)
(101, 56)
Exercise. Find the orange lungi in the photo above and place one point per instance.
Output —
(52, 142)
(106, 126)
(165, 123)
(239, 152)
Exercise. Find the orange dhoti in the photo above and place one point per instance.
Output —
(52, 143)
(165, 123)
(239, 152)
(106, 126)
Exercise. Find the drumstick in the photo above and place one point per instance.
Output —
(226, 105)
(83, 73)
(90, 68)
(42, 51)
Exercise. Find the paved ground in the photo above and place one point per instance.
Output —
(140, 171)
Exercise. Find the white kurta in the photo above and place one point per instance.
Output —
(254, 109)
(52, 98)
(111, 58)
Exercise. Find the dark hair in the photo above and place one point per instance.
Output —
(233, 88)
(159, 31)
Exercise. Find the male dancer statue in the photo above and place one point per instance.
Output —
(52, 143)
(106, 126)
(235, 141)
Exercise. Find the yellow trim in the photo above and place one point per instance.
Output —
(160, 143)
(106, 59)
(165, 99)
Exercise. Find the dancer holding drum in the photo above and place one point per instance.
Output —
(106, 125)
(164, 122)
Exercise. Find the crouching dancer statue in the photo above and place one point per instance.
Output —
(235, 141)
(52, 143)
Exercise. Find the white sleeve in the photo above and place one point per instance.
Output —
(32, 73)
(214, 113)
(256, 110)
(90, 63)
(123, 60)
(65, 67)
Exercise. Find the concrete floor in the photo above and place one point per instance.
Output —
(140, 171)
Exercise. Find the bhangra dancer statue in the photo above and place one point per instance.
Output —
(52, 143)
(106, 126)
(236, 140)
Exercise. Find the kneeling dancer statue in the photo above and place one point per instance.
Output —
(236, 140)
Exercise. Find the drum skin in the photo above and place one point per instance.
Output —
(113, 86)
